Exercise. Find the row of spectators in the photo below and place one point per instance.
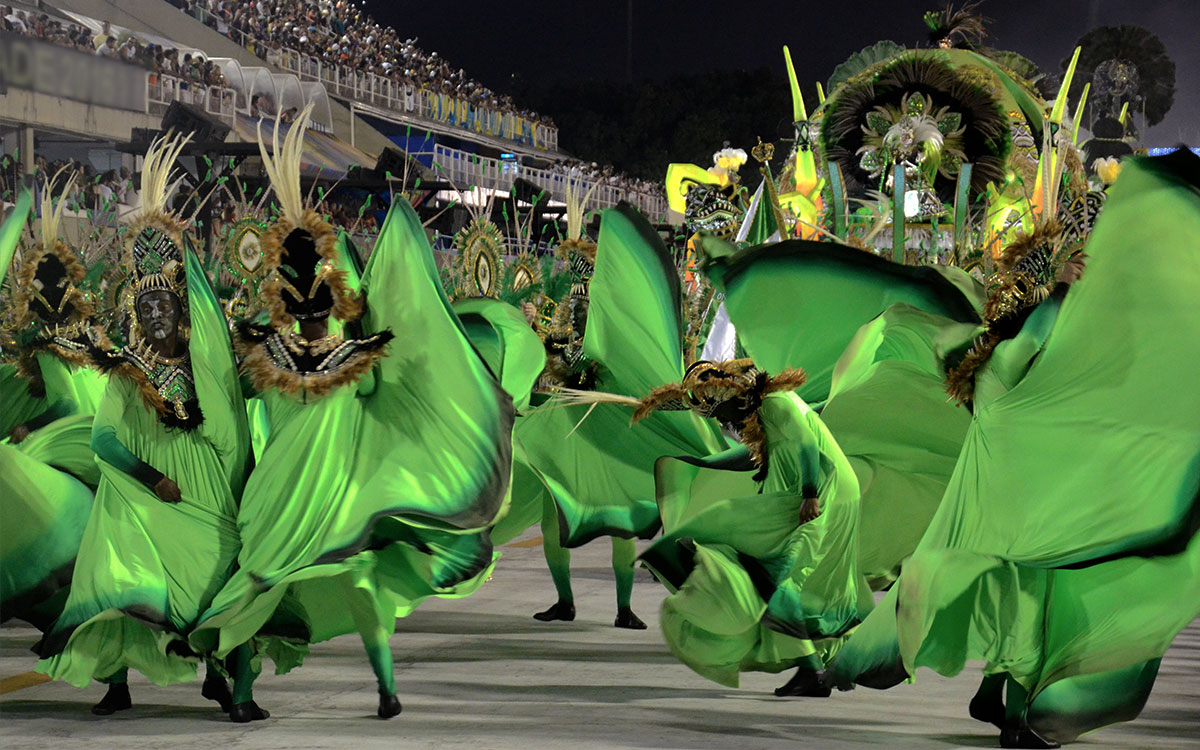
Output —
(193, 68)
(593, 172)
(337, 32)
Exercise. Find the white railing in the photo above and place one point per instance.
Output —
(465, 170)
(217, 101)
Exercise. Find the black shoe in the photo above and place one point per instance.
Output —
(389, 706)
(1023, 736)
(989, 710)
(806, 683)
(216, 689)
(116, 699)
(627, 619)
(242, 713)
(560, 610)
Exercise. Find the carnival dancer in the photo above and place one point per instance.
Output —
(381, 472)
(598, 471)
(1055, 561)
(170, 434)
(759, 581)
(47, 470)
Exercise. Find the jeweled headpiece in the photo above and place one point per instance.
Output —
(154, 257)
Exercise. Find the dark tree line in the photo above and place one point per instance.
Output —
(640, 128)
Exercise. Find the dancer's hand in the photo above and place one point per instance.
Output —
(810, 509)
(1073, 270)
(167, 490)
(19, 433)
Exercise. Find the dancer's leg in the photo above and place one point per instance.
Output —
(806, 683)
(1016, 731)
(215, 688)
(988, 703)
(624, 552)
(117, 698)
(558, 560)
(375, 628)
(241, 665)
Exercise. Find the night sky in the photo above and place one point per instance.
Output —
(576, 39)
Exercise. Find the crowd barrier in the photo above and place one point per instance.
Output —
(465, 170)
(217, 101)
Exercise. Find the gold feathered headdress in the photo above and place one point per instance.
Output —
(579, 251)
(297, 238)
(154, 243)
(731, 392)
(50, 248)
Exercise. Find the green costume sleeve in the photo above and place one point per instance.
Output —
(217, 383)
(108, 447)
(451, 467)
(1025, 345)
(10, 231)
(810, 464)
(799, 303)
(59, 409)
(505, 340)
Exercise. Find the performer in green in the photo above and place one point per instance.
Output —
(620, 330)
(760, 580)
(47, 470)
(879, 334)
(380, 473)
(171, 437)
(1055, 561)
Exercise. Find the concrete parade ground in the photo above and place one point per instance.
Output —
(481, 673)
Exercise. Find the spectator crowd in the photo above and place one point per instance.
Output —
(337, 32)
(192, 68)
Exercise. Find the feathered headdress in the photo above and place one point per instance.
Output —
(731, 392)
(51, 263)
(154, 257)
(963, 27)
(300, 248)
(579, 251)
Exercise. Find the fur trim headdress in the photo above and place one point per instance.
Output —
(300, 248)
(731, 392)
(51, 262)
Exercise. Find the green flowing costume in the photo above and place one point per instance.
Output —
(601, 478)
(752, 589)
(591, 477)
(147, 569)
(515, 354)
(876, 334)
(48, 480)
(378, 495)
(1065, 551)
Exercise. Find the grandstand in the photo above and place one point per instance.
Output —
(63, 100)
